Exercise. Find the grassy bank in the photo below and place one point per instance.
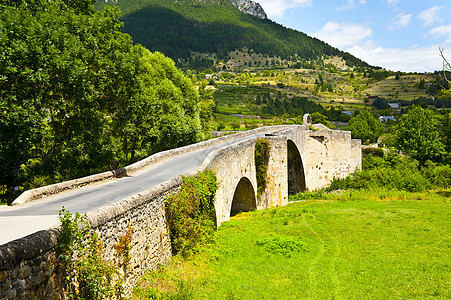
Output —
(321, 249)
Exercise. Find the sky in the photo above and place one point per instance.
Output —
(398, 35)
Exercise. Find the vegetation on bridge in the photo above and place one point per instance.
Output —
(261, 163)
(190, 213)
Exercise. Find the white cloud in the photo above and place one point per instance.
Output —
(430, 16)
(410, 59)
(400, 21)
(441, 31)
(344, 34)
(392, 3)
(350, 5)
(277, 8)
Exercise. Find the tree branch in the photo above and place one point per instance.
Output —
(446, 64)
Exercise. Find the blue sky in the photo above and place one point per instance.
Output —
(399, 35)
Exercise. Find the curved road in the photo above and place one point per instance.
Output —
(25, 219)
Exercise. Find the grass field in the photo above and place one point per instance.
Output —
(361, 249)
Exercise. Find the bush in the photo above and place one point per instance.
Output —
(437, 176)
(190, 213)
(83, 272)
(281, 244)
(396, 172)
(371, 151)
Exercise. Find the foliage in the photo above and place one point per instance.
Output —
(395, 172)
(180, 28)
(446, 130)
(318, 118)
(281, 244)
(284, 105)
(206, 107)
(380, 103)
(84, 274)
(366, 127)
(261, 163)
(417, 134)
(370, 249)
(190, 213)
(123, 246)
(77, 97)
(373, 151)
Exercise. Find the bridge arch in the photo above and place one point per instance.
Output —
(244, 197)
(296, 174)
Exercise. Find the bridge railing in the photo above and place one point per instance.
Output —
(42, 192)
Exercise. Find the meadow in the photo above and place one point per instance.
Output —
(371, 246)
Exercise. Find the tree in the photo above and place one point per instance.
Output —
(77, 97)
(417, 134)
(366, 127)
(318, 118)
(380, 103)
(446, 130)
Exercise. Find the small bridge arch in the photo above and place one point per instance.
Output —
(296, 173)
(244, 197)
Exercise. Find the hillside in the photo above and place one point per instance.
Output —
(179, 28)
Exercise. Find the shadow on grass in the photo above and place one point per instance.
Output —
(446, 194)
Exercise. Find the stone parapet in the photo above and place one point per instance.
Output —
(42, 192)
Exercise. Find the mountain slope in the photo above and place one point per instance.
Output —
(177, 28)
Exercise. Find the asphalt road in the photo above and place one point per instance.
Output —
(25, 219)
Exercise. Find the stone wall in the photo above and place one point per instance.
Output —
(42, 192)
(28, 264)
(329, 154)
(276, 191)
(231, 164)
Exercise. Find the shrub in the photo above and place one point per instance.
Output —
(371, 151)
(191, 213)
(394, 171)
(281, 244)
(84, 274)
(261, 163)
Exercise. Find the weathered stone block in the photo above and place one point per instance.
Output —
(11, 294)
(25, 272)
(3, 276)
(19, 285)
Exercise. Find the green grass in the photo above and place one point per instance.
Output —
(361, 249)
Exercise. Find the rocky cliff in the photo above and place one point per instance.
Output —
(250, 7)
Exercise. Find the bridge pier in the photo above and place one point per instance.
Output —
(276, 191)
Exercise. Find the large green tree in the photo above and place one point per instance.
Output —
(77, 97)
(366, 126)
(418, 135)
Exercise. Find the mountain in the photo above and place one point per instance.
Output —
(180, 27)
(250, 7)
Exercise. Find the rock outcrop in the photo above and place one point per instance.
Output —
(250, 7)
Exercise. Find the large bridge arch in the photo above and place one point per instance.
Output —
(296, 173)
(244, 197)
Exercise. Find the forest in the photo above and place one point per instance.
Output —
(215, 27)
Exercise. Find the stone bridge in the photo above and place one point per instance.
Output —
(301, 157)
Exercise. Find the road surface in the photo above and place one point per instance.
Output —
(22, 220)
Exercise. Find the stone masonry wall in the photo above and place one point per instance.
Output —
(276, 192)
(28, 265)
(329, 154)
(230, 165)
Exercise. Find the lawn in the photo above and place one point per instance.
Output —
(318, 249)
